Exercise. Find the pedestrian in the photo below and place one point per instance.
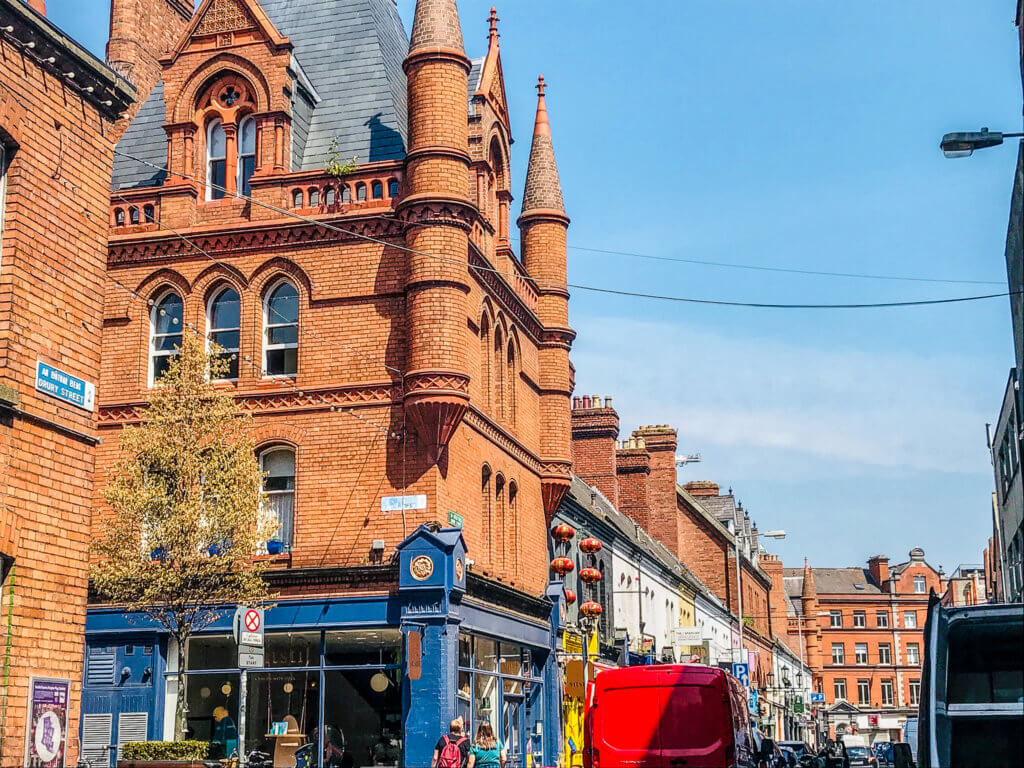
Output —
(487, 751)
(452, 749)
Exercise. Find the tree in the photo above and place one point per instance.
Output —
(186, 513)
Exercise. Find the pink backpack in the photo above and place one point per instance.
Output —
(451, 755)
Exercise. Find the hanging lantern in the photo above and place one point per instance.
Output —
(563, 532)
(591, 610)
(570, 597)
(590, 575)
(562, 565)
(590, 545)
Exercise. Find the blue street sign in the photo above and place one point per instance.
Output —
(63, 386)
(741, 672)
(817, 698)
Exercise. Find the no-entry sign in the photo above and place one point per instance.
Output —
(248, 627)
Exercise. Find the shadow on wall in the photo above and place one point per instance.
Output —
(385, 142)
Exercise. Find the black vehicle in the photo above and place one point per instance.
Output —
(792, 761)
(972, 687)
(799, 747)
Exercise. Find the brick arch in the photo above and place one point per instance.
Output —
(222, 65)
(269, 271)
(268, 435)
(496, 135)
(154, 283)
(213, 276)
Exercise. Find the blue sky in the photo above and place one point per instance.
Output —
(798, 134)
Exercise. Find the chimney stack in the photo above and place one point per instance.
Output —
(595, 428)
(698, 488)
(878, 567)
(39, 6)
(633, 469)
(661, 442)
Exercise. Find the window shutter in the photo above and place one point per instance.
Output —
(101, 667)
(96, 739)
(131, 726)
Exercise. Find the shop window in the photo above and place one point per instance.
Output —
(216, 160)
(224, 320)
(211, 652)
(278, 468)
(378, 191)
(485, 654)
(283, 716)
(360, 647)
(486, 700)
(212, 701)
(281, 331)
(464, 696)
(165, 334)
(362, 717)
(246, 154)
(292, 649)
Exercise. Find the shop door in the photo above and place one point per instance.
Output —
(514, 730)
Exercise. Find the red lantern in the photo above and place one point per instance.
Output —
(562, 565)
(563, 532)
(570, 597)
(590, 575)
(590, 545)
(591, 610)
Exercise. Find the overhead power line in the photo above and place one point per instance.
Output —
(592, 288)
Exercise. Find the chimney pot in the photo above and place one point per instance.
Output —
(586, 401)
(597, 401)
(607, 401)
(576, 403)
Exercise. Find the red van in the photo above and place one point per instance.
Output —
(667, 716)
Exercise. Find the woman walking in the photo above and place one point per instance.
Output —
(487, 751)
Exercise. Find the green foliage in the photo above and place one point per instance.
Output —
(748, 621)
(336, 164)
(168, 750)
(186, 505)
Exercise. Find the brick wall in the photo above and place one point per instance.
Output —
(52, 261)
(595, 428)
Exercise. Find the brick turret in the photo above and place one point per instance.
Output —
(595, 428)
(440, 215)
(543, 226)
(141, 31)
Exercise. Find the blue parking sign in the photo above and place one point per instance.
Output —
(742, 673)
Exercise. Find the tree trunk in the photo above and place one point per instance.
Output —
(181, 705)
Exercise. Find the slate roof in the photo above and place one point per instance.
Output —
(794, 587)
(844, 581)
(475, 74)
(352, 53)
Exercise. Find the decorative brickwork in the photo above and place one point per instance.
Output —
(224, 16)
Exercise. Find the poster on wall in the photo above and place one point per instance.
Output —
(46, 740)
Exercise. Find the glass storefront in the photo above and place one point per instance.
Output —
(323, 700)
(499, 684)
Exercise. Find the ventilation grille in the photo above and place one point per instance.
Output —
(101, 667)
(96, 739)
(131, 726)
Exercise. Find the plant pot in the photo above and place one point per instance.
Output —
(275, 547)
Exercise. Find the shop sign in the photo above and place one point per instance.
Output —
(455, 519)
(47, 725)
(399, 503)
(415, 651)
(687, 636)
(63, 386)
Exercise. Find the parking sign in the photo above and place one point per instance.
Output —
(742, 673)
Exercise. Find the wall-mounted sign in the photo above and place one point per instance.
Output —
(687, 636)
(398, 503)
(46, 739)
(455, 519)
(65, 387)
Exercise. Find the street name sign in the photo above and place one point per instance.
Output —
(398, 503)
(65, 387)
(455, 519)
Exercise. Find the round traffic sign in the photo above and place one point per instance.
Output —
(252, 620)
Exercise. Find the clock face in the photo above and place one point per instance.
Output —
(421, 568)
(460, 569)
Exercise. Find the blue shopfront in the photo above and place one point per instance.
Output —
(342, 683)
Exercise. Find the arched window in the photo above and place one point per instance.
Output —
(133, 215)
(329, 196)
(149, 214)
(510, 389)
(223, 321)
(378, 191)
(346, 194)
(485, 360)
(278, 467)
(513, 523)
(314, 198)
(499, 378)
(165, 334)
(393, 188)
(281, 331)
(485, 510)
(501, 516)
(216, 160)
(119, 217)
(246, 154)
(297, 198)
(360, 191)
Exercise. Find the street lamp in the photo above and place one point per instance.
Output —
(964, 143)
(780, 534)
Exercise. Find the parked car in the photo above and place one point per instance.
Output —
(861, 757)
(972, 686)
(664, 716)
(801, 748)
(792, 761)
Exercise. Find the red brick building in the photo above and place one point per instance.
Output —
(330, 202)
(58, 105)
(864, 632)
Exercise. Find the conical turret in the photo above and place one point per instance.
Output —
(439, 216)
(543, 227)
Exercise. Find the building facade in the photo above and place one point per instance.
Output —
(864, 632)
(1008, 501)
(329, 201)
(58, 107)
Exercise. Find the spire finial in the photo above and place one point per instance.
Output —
(541, 127)
(493, 21)
(541, 85)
